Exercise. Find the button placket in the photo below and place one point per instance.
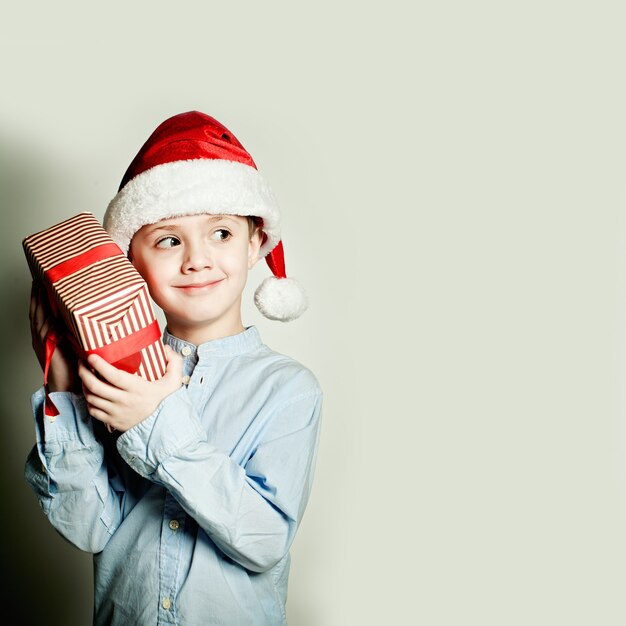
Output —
(172, 538)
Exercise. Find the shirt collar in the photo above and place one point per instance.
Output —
(243, 342)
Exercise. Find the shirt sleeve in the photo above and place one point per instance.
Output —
(251, 512)
(67, 470)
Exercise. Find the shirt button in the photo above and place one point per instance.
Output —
(52, 418)
(174, 524)
(186, 380)
(166, 604)
(186, 351)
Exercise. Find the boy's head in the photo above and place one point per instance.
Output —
(196, 267)
(193, 165)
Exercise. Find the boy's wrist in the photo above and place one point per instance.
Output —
(63, 383)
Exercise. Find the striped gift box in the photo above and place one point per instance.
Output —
(99, 295)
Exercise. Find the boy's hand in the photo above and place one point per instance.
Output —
(62, 374)
(121, 400)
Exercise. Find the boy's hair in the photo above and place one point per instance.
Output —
(254, 224)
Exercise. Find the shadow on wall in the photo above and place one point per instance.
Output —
(44, 579)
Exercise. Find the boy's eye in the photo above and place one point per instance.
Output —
(168, 242)
(221, 234)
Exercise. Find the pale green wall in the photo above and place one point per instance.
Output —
(452, 177)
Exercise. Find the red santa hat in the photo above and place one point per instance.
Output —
(192, 164)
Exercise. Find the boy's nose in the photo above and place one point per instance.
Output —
(197, 257)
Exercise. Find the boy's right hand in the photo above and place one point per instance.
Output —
(63, 371)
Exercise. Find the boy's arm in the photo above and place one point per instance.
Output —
(67, 470)
(251, 513)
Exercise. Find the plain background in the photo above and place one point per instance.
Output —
(452, 178)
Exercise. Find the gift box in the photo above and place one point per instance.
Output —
(99, 296)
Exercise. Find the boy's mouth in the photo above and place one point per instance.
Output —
(207, 284)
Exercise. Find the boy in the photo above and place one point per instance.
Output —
(191, 505)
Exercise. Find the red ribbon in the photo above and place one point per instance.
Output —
(65, 268)
(53, 338)
(126, 353)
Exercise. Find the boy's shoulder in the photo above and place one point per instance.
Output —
(281, 366)
(250, 365)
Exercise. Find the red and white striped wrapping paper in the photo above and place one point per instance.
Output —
(97, 292)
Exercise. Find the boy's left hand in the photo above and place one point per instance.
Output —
(121, 400)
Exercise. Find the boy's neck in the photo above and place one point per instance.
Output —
(199, 335)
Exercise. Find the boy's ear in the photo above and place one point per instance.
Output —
(254, 245)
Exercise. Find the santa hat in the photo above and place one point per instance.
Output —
(192, 164)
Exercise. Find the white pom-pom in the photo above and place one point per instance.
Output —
(281, 299)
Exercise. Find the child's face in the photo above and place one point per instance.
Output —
(196, 268)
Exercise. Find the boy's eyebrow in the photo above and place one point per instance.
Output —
(154, 227)
(217, 218)
(169, 226)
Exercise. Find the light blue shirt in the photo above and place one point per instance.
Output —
(190, 514)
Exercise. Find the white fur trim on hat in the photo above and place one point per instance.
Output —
(282, 299)
(192, 187)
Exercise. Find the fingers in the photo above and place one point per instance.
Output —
(174, 363)
(102, 416)
(111, 374)
(172, 379)
(99, 395)
(97, 392)
(36, 298)
(33, 312)
(38, 312)
(39, 323)
(98, 406)
(33, 301)
(99, 414)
